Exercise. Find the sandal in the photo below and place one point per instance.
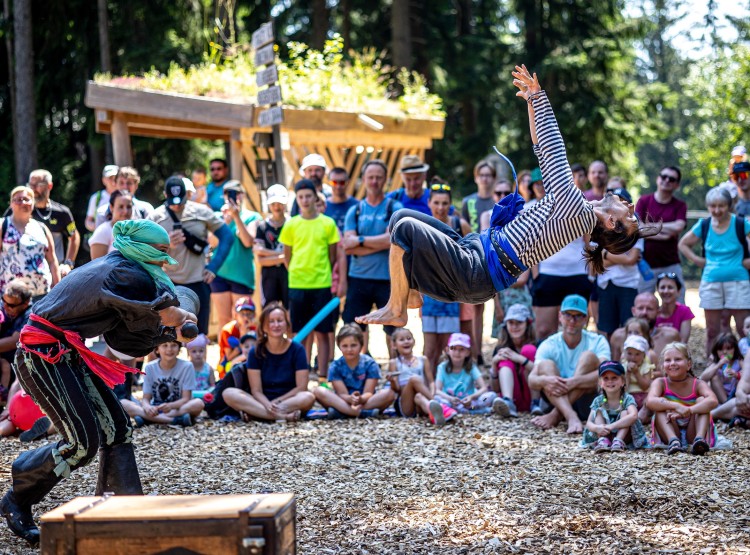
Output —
(618, 445)
(602, 445)
(675, 446)
(738, 422)
(699, 447)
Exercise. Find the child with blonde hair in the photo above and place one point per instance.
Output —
(613, 421)
(205, 379)
(682, 405)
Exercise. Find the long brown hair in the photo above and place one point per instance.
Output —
(260, 346)
(505, 340)
(618, 240)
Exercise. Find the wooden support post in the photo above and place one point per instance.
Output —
(235, 159)
(121, 140)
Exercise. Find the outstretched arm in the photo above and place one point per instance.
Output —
(528, 86)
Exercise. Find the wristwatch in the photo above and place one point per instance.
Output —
(361, 240)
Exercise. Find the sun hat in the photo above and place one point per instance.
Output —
(519, 313)
(636, 342)
(412, 163)
(460, 340)
(312, 160)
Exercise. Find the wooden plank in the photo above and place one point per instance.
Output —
(271, 95)
(355, 138)
(267, 76)
(163, 133)
(263, 35)
(337, 155)
(212, 111)
(344, 121)
(121, 141)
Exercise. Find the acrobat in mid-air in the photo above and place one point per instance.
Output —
(427, 256)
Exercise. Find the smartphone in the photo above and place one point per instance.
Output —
(232, 195)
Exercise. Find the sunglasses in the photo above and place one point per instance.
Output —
(669, 178)
(668, 275)
(501, 193)
(9, 304)
(741, 175)
(216, 168)
(338, 181)
(440, 187)
(574, 316)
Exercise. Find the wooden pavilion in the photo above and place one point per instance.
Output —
(344, 139)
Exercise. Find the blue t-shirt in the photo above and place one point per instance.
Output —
(354, 378)
(418, 204)
(372, 220)
(556, 350)
(431, 307)
(278, 373)
(458, 384)
(337, 211)
(215, 195)
(723, 254)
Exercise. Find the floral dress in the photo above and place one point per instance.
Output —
(23, 257)
(599, 406)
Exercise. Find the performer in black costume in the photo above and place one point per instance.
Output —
(127, 297)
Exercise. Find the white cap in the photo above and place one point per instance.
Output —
(189, 187)
(636, 342)
(739, 150)
(277, 193)
(110, 170)
(312, 160)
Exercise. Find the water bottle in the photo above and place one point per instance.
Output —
(646, 272)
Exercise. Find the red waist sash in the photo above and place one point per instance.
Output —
(43, 332)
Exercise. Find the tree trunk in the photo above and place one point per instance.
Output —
(319, 24)
(346, 24)
(401, 34)
(11, 76)
(25, 117)
(105, 59)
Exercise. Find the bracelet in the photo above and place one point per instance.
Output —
(69, 262)
(525, 362)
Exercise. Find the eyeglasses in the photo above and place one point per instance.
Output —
(338, 181)
(669, 178)
(741, 175)
(9, 304)
(440, 187)
(22, 200)
(501, 193)
(575, 316)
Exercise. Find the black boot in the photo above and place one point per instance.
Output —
(118, 471)
(34, 477)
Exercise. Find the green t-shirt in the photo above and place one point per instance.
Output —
(239, 264)
(310, 267)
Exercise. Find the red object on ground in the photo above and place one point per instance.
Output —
(23, 411)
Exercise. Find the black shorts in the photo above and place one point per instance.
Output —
(306, 303)
(274, 283)
(221, 285)
(439, 262)
(551, 290)
(361, 294)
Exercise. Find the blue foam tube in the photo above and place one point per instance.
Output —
(315, 320)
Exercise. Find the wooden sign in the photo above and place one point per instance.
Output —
(272, 116)
(264, 56)
(271, 95)
(267, 76)
(263, 35)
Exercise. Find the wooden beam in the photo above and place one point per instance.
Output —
(121, 141)
(137, 130)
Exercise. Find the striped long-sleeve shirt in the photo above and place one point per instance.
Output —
(563, 214)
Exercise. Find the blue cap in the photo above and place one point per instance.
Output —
(576, 303)
(611, 366)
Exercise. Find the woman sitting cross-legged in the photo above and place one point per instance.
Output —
(354, 378)
(277, 371)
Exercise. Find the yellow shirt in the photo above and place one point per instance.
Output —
(310, 267)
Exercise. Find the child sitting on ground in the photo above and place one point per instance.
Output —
(459, 384)
(724, 372)
(745, 341)
(354, 378)
(167, 390)
(640, 372)
(613, 423)
(236, 376)
(23, 415)
(229, 344)
(682, 405)
(411, 378)
(205, 379)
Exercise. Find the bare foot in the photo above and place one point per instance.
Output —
(547, 421)
(415, 299)
(575, 426)
(293, 416)
(384, 316)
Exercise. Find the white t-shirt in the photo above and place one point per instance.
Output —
(566, 262)
(102, 235)
(166, 386)
(622, 276)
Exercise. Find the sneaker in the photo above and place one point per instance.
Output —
(436, 413)
(37, 431)
(618, 445)
(185, 420)
(449, 413)
(504, 407)
(333, 414)
(536, 407)
(602, 445)
(316, 414)
(369, 413)
(140, 422)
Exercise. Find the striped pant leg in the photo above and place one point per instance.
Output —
(114, 422)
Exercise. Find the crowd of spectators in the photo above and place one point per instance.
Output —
(606, 355)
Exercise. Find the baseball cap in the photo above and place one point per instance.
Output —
(110, 170)
(413, 164)
(312, 160)
(518, 312)
(303, 184)
(741, 167)
(175, 190)
(576, 303)
(611, 366)
(536, 175)
(460, 340)
(622, 192)
(232, 185)
(244, 303)
(277, 193)
(636, 342)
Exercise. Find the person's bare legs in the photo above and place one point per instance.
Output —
(547, 321)
(381, 400)
(713, 325)
(409, 391)
(553, 418)
(666, 429)
(324, 354)
(739, 316)
(727, 411)
(223, 305)
(507, 380)
(394, 312)
(478, 329)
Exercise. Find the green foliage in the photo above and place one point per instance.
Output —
(309, 79)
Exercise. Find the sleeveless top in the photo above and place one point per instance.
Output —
(688, 401)
(408, 371)
(23, 257)
(201, 378)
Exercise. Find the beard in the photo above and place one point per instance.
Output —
(317, 181)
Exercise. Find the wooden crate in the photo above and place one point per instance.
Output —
(173, 524)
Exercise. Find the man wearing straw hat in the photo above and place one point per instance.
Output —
(413, 195)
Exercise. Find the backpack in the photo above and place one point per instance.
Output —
(739, 228)
(3, 232)
(388, 212)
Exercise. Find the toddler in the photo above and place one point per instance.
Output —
(613, 423)
(205, 378)
(745, 341)
(724, 373)
(640, 372)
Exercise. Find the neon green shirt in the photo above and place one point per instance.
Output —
(310, 266)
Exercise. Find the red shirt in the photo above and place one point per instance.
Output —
(661, 253)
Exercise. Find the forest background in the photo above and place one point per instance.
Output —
(621, 90)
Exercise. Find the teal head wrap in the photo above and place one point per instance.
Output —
(134, 240)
